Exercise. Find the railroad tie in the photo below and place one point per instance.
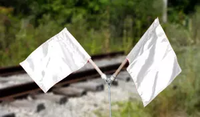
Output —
(123, 76)
(70, 91)
(29, 105)
(89, 86)
(59, 99)
(4, 113)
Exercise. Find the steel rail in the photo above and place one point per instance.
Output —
(13, 70)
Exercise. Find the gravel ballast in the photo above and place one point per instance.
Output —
(84, 106)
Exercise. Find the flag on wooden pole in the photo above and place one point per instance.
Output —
(55, 59)
(153, 64)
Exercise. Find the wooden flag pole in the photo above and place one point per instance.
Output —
(103, 76)
(108, 82)
(118, 70)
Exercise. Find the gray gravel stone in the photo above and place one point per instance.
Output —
(27, 104)
(83, 106)
(4, 113)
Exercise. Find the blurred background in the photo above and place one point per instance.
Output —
(103, 26)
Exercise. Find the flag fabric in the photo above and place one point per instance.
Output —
(55, 59)
(153, 64)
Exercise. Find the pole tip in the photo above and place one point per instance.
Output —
(103, 76)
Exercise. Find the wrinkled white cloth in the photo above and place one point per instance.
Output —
(153, 64)
(55, 59)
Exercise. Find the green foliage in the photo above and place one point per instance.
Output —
(130, 109)
(109, 25)
(186, 32)
(100, 26)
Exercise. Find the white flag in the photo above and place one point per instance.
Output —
(153, 64)
(55, 59)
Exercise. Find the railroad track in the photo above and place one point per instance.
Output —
(13, 70)
(75, 85)
(25, 89)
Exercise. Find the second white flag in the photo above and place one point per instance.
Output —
(153, 64)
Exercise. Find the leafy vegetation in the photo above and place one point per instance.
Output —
(100, 26)
(110, 25)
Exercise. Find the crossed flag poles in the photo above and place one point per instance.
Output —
(152, 62)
